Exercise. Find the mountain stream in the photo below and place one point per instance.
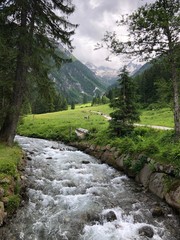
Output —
(73, 196)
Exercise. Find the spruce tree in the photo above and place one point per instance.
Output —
(124, 105)
(154, 30)
(38, 26)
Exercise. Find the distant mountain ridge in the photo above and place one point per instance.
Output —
(108, 76)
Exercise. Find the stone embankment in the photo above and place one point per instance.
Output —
(162, 180)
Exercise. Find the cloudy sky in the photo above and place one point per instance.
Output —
(95, 17)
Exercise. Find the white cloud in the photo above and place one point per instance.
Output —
(95, 17)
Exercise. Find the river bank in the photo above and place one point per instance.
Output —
(12, 181)
(160, 179)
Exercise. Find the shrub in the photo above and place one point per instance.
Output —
(139, 164)
(13, 203)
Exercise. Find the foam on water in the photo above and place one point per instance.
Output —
(70, 194)
(123, 228)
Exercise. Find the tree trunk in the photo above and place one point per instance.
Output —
(8, 130)
(176, 102)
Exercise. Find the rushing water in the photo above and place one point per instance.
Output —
(73, 196)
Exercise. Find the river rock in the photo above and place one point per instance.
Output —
(156, 184)
(173, 198)
(29, 158)
(157, 211)
(85, 162)
(1, 192)
(2, 213)
(108, 157)
(110, 216)
(120, 162)
(5, 180)
(146, 231)
(144, 175)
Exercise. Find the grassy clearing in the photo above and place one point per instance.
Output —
(61, 126)
(161, 117)
(10, 158)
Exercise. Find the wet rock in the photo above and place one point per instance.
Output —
(108, 147)
(173, 198)
(49, 158)
(113, 149)
(156, 184)
(108, 157)
(29, 158)
(31, 152)
(2, 213)
(85, 162)
(94, 218)
(116, 154)
(1, 192)
(146, 231)
(110, 216)
(5, 180)
(120, 162)
(81, 133)
(144, 175)
(157, 211)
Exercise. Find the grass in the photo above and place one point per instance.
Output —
(61, 126)
(161, 117)
(10, 158)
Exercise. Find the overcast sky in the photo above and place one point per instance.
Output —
(95, 17)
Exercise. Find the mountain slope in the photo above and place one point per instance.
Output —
(75, 80)
(108, 76)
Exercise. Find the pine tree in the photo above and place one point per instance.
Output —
(38, 27)
(124, 105)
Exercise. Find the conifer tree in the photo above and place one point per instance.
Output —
(124, 105)
(154, 30)
(37, 25)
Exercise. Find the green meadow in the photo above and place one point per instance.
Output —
(160, 117)
(61, 126)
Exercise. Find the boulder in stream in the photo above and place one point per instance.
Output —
(146, 231)
(110, 216)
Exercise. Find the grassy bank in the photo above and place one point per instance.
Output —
(160, 117)
(10, 159)
(61, 126)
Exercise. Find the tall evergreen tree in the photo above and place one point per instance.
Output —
(38, 25)
(124, 105)
(154, 29)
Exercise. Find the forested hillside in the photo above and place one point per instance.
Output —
(75, 81)
(154, 83)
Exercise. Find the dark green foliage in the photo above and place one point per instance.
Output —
(13, 203)
(9, 169)
(124, 105)
(28, 45)
(154, 86)
(139, 164)
(99, 100)
(72, 105)
(153, 31)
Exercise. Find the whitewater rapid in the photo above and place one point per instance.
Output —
(73, 196)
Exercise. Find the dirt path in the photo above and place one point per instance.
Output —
(136, 124)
